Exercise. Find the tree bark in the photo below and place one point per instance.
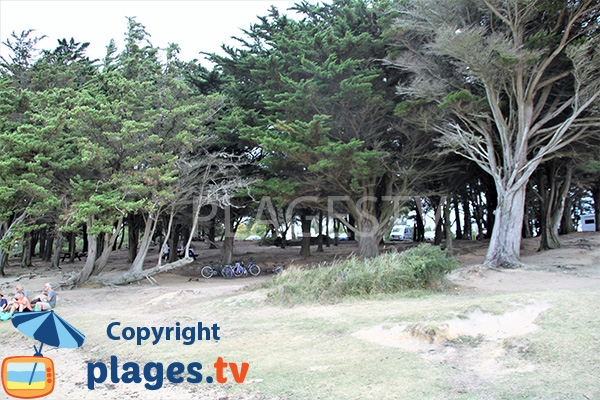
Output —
(101, 262)
(57, 249)
(467, 230)
(26, 256)
(131, 276)
(84, 275)
(228, 241)
(305, 244)
(3, 253)
(447, 226)
(505, 243)
(596, 196)
(138, 263)
(320, 232)
(132, 229)
(459, 231)
(419, 234)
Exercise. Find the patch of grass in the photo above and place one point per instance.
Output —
(422, 267)
(466, 341)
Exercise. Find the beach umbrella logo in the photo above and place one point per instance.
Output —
(32, 377)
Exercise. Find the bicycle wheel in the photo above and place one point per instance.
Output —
(227, 272)
(254, 270)
(207, 272)
(237, 272)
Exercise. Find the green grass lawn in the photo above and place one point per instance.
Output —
(310, 352)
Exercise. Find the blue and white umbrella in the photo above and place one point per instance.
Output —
(48, 328)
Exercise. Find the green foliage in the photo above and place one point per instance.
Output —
(422, 267)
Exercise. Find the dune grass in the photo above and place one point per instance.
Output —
(422, 267)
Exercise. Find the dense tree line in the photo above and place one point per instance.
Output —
(486, 112)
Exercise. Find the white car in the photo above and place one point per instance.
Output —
(253, 237)
(341, 236)
(402, 232)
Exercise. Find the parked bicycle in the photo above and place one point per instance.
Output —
(275, 269)
(253, 269)
(209, 271)
(239, 270)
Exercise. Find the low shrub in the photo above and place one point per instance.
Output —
(421, 267)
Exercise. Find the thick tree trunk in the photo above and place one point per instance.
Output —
(84, 275)
(130, 276)
(566, 223)
(554, 206)
(227, 250)
(138, 263)
(368, 236)
(505, 243)
(101, 262)
(305, 244)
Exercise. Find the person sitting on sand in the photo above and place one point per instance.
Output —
(18, 289)
(3, 303)
(21, 304)
(46, 300)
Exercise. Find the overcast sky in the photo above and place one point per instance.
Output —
(196, 25)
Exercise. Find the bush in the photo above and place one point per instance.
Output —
(422, 267)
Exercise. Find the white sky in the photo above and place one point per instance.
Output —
(196, 25)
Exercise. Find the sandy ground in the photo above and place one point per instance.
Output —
(575, 266)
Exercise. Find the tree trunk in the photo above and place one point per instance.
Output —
(368, 236)
(173, 242)
(35, 239)
(352, 223)
(101, 262)
(26, 255)
(212, 232)
(3, 261)
(505, 243)
(131, 276)
(554, 205)
(596, 196)
(439, 221)
(467, 231)
(459, 232)
(419, 234)
(320, 231)
(305, 245)
(138, 263)
(566, 223)
(72, 246)
(132, 225)
(227, 250)
(3, 253)
(57, 249)
(228, 241)
(84, 275)
(492, 201)
(447, 226)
